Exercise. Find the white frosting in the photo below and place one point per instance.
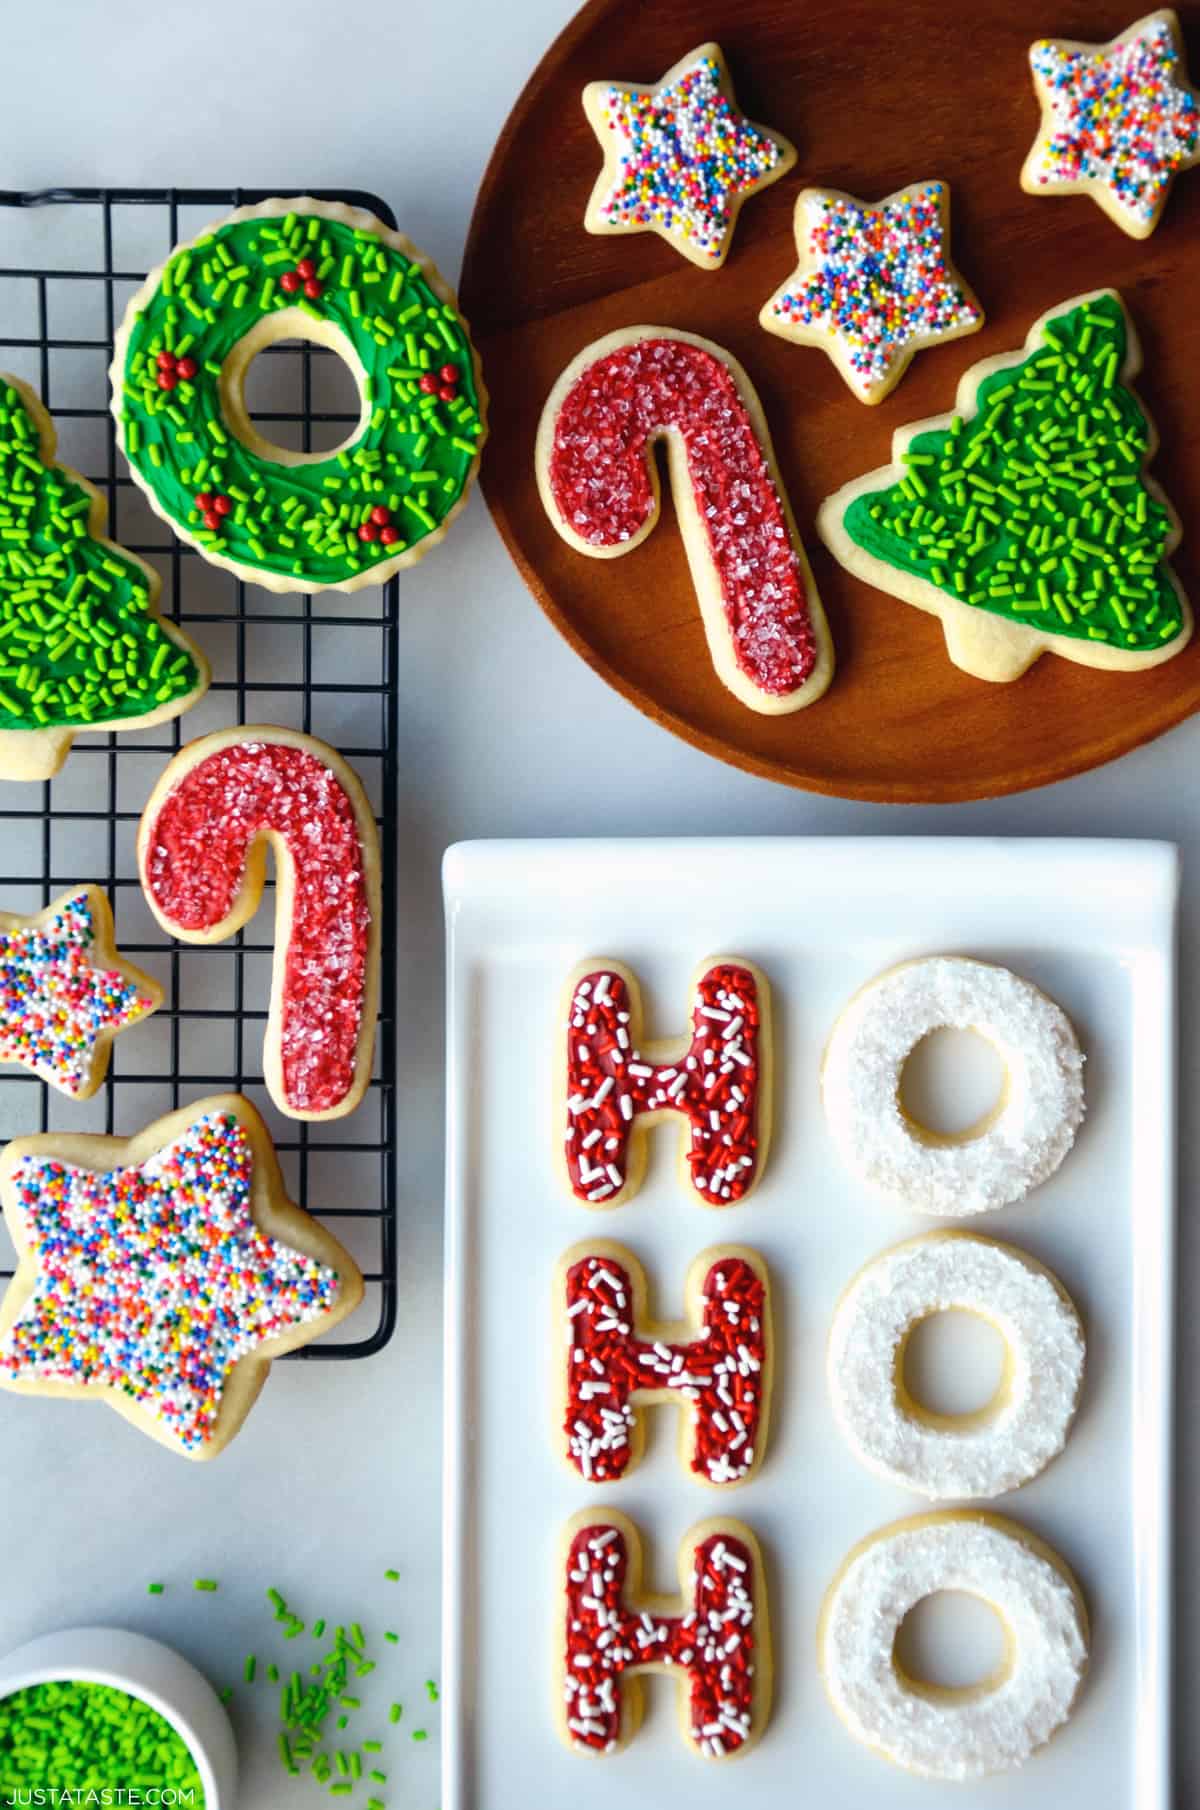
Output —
(986, 1453)
(956, 1734)
(1025, 1142)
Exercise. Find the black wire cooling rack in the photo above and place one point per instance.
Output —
(330, 669)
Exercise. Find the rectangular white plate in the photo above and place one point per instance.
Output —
(1093, 924)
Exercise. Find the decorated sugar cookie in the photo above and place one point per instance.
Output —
(714, 1639)
(65, 992)
(295, 521)
(874, 284)
(202, 846)
(766, 631)
(1001, 1445)
(717, 1366)
(1119, 121)
(613, 1087)
(162, 1273)
(934, 1731)
(1016, 1148)
(679, 157)
(1027, 520)
(82, 643)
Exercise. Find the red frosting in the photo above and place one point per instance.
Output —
(715, 1085)
(714, 1641)
(718, 1376)
(600, 479)
(194, 869)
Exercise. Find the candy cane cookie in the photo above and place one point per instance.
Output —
(715, 1636)
(612, 1087)
(202, 848)
(336, 277)
(161, 1274)
(65, 991)
(599, 483)
(992, 1164)
(937, 1731)
(716, 1366)
(1012, 1438)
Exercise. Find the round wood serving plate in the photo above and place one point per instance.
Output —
(873, 98)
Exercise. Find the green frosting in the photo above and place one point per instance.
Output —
(90, 1737)
(79, 643)
(413, 457)
(1034, 508)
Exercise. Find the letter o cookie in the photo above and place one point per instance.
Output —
(1018, 1147)
(1005, 1443)
(936, 1731)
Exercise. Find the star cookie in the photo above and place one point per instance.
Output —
(162, 1273)
(679, 157)
(1118, 121)
(65, 992)
(874, 284)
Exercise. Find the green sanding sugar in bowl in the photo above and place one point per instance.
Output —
(73, 1736)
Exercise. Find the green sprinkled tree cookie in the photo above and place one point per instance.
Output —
(82, 644)
(293, 521)
(1026, 520)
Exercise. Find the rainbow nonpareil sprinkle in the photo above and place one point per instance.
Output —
(686, 154)
(1119, 116)
(874, 283)
(54, 1004)
(155, 1280)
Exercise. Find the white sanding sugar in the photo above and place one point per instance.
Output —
(965, 1734)
(1030, 1135)
(1046, 1350)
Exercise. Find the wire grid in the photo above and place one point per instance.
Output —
(322, 669)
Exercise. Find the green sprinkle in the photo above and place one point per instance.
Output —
(395, 1713)
(419, 1734)
(431, 1690)
(392, 1576)
(205, 1583)
(154, 1589)
(250, 1668)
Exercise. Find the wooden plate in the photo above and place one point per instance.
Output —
(871, 104)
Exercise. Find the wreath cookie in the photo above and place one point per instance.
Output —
(294, 521)
(65, 991)
(1118, 121)
(162, 1273)
(82, 644)
(680, 158)
(1027, 520)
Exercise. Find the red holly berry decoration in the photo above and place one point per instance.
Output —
(304, 275)
(449, 373)
(378, 526)
(212, 508)
(428, 382)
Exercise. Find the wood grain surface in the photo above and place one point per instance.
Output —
(874, 97)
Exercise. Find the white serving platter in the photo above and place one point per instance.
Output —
(1092, 922)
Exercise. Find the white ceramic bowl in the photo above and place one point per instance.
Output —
(146, 1669)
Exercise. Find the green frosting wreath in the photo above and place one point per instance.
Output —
(292, 521)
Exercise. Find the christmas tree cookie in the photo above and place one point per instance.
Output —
(82, 644)
(1026, 519)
